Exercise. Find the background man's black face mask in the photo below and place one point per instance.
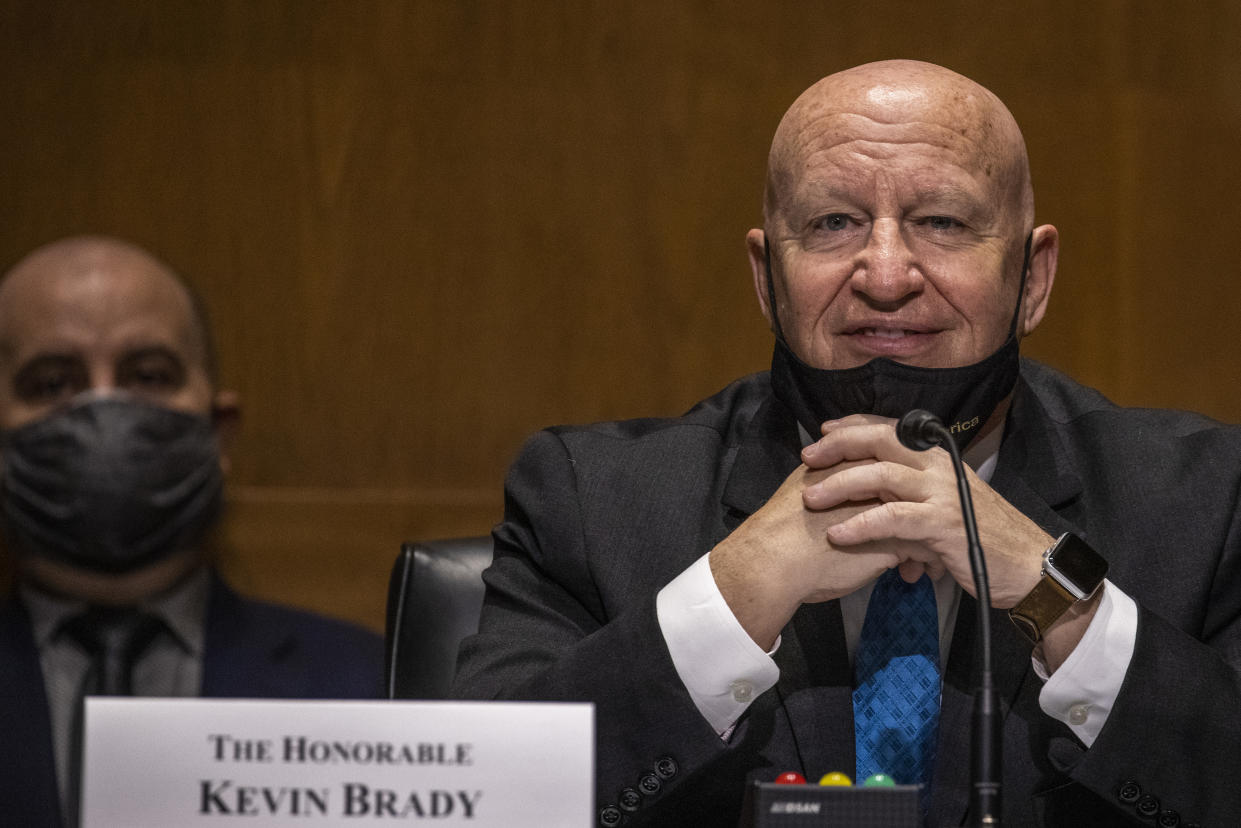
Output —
(110, 484)
(963, 397)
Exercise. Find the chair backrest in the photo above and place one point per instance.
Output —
(435, 594)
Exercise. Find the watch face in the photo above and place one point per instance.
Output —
(1075, 563)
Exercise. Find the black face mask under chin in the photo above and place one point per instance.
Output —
(110, 484)
(962, 397)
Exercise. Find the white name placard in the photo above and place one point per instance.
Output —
(224, 762)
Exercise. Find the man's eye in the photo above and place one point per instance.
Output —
(49, 382)
(46, 386)
(150, 378)
(833, 221)
(941, 223)
(153, 371)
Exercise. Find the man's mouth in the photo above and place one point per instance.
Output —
(886, 333)
(891, 340)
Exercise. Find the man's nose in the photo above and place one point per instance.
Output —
(885, 270)
(102, 380)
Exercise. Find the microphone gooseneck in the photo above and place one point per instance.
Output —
(919, 430)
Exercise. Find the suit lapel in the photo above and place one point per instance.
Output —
(816, 688)
(241, 658)
(767, 452)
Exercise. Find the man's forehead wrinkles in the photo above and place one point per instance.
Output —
(863, 150)
(865, 162)
(898, 136)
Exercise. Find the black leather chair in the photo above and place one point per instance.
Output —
(435, 594)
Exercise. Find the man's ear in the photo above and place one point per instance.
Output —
(756, 248)
(226, 418)
(1044, 253)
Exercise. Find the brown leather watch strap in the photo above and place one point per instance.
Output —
(1040, 608)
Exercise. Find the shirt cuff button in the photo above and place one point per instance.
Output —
(742, 690)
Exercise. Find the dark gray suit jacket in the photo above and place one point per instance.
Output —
(599, 518)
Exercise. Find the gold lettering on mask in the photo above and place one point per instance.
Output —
(963, 425)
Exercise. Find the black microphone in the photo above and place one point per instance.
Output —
(920, 430)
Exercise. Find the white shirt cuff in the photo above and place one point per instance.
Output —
(1082, 692)
(719, 664)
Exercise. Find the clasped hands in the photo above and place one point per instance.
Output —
(861, 503)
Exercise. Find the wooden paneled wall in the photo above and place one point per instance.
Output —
(425, 228)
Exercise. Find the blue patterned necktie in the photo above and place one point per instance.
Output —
(897, 682)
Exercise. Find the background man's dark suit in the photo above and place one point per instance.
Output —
(251, 650)
(599, 518)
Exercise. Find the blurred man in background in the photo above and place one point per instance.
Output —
(115, 442)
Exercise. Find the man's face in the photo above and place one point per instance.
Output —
(896, 234)
(123, 325)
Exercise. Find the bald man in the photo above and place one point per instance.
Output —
(114, 439)
(711, 582)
